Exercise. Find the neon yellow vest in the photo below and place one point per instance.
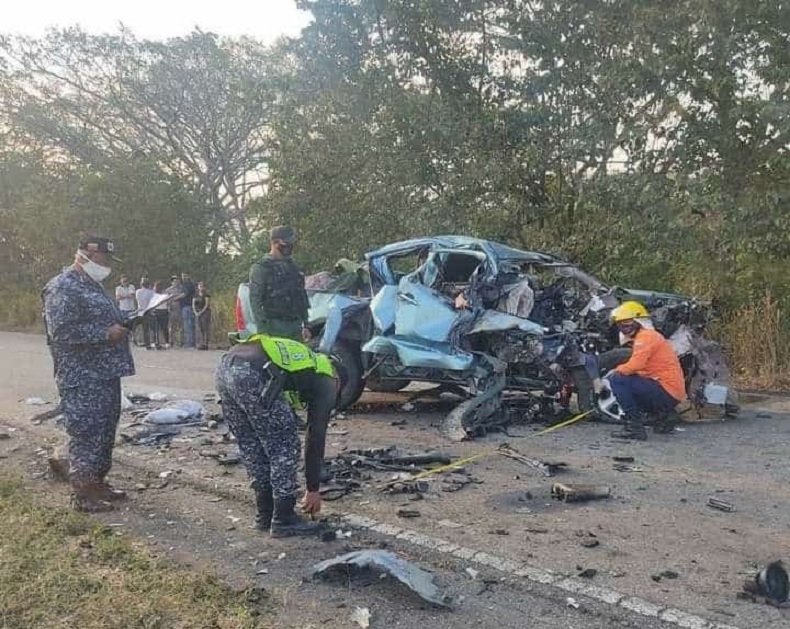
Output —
(293, 356)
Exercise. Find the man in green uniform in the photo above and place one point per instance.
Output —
(277, 293)
(258, 381)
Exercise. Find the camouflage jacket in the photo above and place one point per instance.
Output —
(78, 314)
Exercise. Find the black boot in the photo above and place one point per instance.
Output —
(633, 429)
(285, 522)
(265, 506)
(666, 422)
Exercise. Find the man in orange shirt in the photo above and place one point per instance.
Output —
(651, 381)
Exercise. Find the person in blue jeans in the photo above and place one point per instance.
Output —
(187, 314)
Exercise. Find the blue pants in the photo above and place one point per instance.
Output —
(188, 321)
(637, 394)
(91, 412)
(267, 438)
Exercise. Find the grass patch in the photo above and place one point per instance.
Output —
(59, 569)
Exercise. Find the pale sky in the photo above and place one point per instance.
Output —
(156, 19)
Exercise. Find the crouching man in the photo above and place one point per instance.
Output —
(258, 381)
(651, 381)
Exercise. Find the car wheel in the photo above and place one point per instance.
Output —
(374, 383)
(349, 367)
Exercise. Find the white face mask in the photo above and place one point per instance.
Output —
(95, 271)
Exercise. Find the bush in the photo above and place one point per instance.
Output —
(22, 311)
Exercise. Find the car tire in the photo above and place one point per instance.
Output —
(373, 383)
(349, 366)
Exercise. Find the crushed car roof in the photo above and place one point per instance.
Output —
(495, 249)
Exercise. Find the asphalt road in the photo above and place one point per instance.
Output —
(656, 519)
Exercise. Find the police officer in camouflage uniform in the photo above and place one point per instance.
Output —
(90, 351)
(259, 381)
(277, 293)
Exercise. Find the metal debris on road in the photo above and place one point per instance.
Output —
(415, 578)
(721, 505)
(772, 582)
(548, 469)
(666, 574)
(579, 493)
(624, 467)
(408, 513)
(623, 459)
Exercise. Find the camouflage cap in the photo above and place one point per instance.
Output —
(286, 233)
(100, 244)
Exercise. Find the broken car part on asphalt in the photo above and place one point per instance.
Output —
(415, 578)
(548, 469)
(579, 493)
(721, 505)
(770, 585)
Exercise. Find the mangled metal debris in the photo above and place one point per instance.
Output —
(721, 505)
(347, 471)
(579, 493)
(548, 469)
(415, 578)
(490, 320)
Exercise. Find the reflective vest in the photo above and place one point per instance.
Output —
(293, 356)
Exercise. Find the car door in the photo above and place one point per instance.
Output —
(422, 311)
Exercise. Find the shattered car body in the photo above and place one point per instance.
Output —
(492, 322)
(532, 323)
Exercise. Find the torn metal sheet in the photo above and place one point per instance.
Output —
(415, 578)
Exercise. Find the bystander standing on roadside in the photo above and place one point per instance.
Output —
(201, 306)
(125, 297)
(174, 305)
(144, 295)
(161, 318)
(187, 313)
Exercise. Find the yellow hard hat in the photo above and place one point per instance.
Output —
(629, 310)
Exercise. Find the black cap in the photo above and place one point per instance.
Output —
(101, 244)
(286, 233)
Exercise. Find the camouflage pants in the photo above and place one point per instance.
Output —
(267, 437)
(90, 414)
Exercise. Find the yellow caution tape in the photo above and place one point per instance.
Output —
(480, 455)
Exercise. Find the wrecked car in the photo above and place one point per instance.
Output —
(488, 321)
